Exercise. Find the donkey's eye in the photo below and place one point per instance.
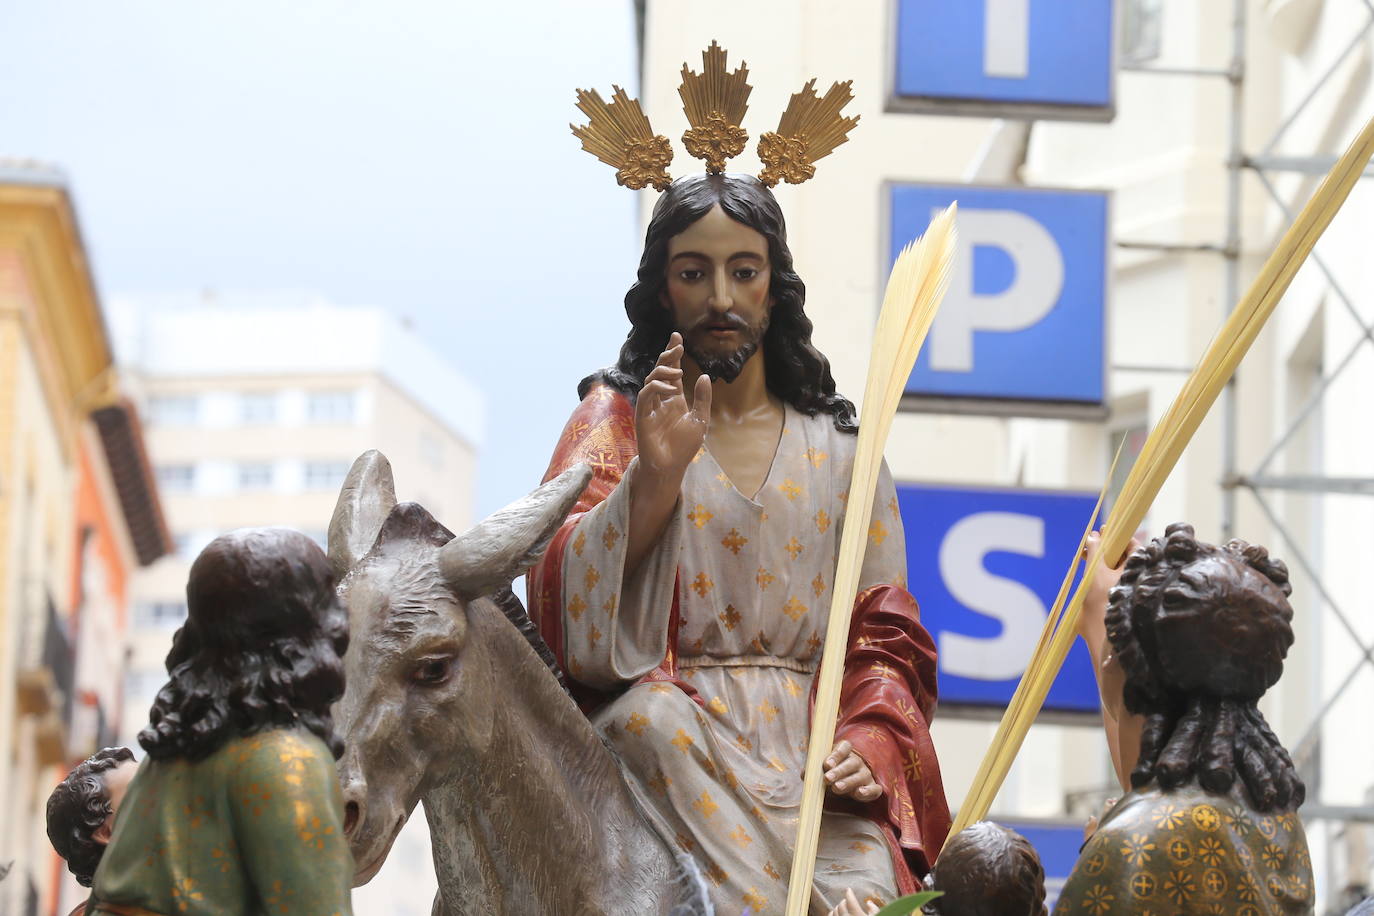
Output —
(432, 672)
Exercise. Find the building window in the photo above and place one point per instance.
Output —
(1131, 441)
(330, 407)
(173, 409)
(167, 614)
(1140, 30)
(176, 478)
(258, 407)
(141, 687)
(325, 475)
(255, 475)
(182, 541)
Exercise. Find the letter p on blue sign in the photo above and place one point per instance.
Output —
(1024, 321)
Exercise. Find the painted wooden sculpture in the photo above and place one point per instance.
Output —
(1197, 633)
(237, 809)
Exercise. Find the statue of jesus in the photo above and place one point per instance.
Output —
(687, 595)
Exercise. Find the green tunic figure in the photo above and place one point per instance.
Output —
(1198, 634)
(237, 809)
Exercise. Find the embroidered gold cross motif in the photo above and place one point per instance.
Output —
(705, 805)
(700, 515)
(609, 538)
(591, 578)
(730, 617)
(790, 489)
(734, 541)
(764, 578)
(794, 608)
(815, 456)
(682, 741)
(576, 606)
(818, 585)
(579, 542)
(636, 724)
(702, 584)
(794, 547)
(822, 521)
(740, 836)
(877, 532)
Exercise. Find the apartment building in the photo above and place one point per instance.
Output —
(257, 405)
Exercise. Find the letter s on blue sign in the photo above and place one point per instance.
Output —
(1013, 604)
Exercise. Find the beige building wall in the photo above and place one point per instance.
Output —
(68, 534)
(249, 442)
(1163, 158)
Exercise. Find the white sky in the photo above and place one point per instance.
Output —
(409, 154)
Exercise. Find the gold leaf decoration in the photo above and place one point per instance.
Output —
(809, 130)
(715, 102)
(619, 135)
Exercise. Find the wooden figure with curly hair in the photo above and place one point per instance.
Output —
(1198, 633)
(237, 808)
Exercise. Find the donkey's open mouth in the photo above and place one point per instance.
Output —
(377, 855)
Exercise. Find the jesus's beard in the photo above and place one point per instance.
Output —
(724, 367)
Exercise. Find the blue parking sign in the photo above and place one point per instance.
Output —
(985, 566)
(1005, 58)
(1025, 317)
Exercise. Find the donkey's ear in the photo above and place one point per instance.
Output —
(367, 498)
(488, 556)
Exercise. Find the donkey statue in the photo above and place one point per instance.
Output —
(449, 701)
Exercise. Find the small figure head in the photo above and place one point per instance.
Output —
(987, 870)
(1201, 633)
(262, 646)
(716, 267)
(82, 808)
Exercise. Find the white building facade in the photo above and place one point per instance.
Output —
(256, 407)
(1164, 160)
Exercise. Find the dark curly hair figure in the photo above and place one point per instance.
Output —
(1201, 633)
(78, 810)
(987, 870)
(795, 370)
(262, 646)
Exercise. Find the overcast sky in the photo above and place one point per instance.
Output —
(409, 154)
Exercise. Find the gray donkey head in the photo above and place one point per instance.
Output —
(428, 653)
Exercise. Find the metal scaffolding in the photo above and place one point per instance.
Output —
(1261, 482)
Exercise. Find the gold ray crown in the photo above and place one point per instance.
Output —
(715, 101)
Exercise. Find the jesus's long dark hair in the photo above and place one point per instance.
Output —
(796, 370)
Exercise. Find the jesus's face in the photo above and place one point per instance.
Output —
(717, 292)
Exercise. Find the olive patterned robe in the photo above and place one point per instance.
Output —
(253, 829)
(1185, 851)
